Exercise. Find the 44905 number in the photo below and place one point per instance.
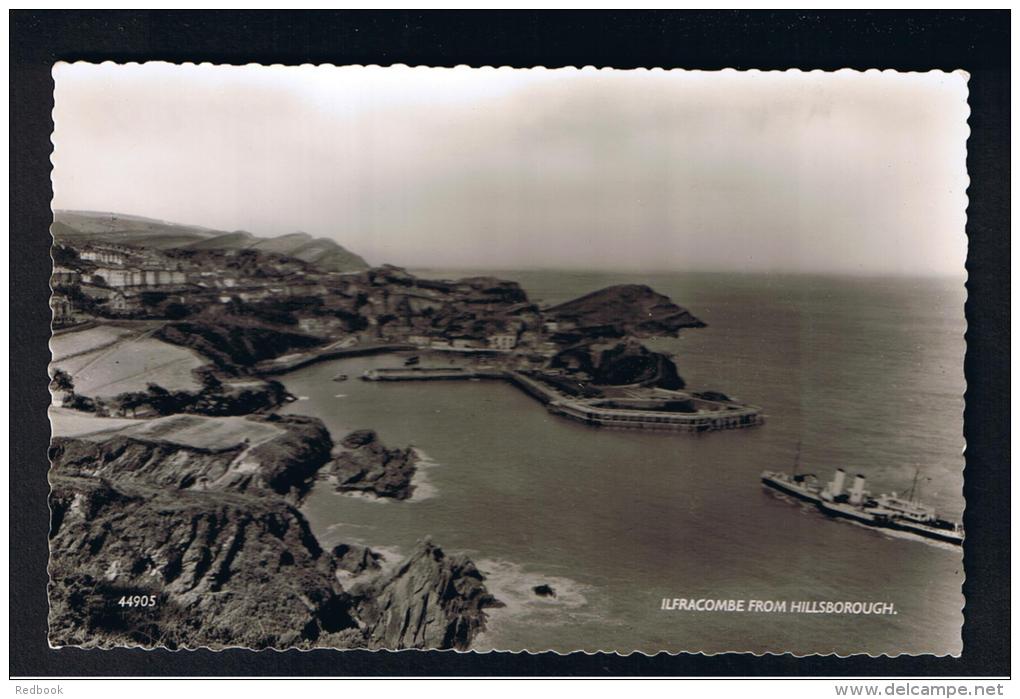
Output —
(137, 601)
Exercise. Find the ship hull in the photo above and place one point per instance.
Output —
(790, 489)
(947, 535)
(876, 518)
(847, 512)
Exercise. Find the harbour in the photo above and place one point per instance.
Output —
(628, 410)
(615, 520)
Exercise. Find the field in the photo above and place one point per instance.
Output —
(68, 345)
(71, 423)
(107, 361)
(201, 432)
(211, 433)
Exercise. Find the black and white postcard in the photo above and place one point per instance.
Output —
(507, 359)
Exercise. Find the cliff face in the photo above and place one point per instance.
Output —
(225, 570)
(290, 461)
(431, 600)
(366, 466)
(156, 544)
(275, 453)
(625, 309)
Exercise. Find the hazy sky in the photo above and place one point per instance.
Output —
(846, 172)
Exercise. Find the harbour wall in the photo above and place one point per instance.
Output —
(729, 417)
(284, 364)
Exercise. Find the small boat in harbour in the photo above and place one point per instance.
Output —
(411, 361)
(340, 377)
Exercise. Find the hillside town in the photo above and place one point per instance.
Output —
(252, 308)
(94, 282)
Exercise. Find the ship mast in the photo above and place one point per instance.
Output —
(796, 459)
(913, 486)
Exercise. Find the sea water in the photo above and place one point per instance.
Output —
(866, 374)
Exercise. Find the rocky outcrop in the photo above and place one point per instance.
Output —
(290, 462)
(624, 309)
(356, 559)
(431, 600)
(235, 348)
(216, 399)
(365, 465)
(620, 364)
(135, 562)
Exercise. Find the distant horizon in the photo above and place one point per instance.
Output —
(859, 173)
(529, 268)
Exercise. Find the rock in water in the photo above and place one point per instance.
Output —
(367, 466)
(544, 590)
(430, 601)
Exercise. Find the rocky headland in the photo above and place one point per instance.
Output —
(156, 542)
(622, 310)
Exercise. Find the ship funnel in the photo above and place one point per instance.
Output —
(838, 481)
(857, 490)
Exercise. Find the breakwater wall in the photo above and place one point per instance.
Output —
(431, 374)
(731, 418)
(713, 415)
(537, 390)
(287, 363)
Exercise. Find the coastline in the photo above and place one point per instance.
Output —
(212, 463)
(704, 362)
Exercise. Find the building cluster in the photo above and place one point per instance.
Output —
(111, 279)
(480, 314)
(382, 304)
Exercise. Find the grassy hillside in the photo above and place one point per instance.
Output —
(322, 252)
(227, 241)
(108, 227)
(123, 229)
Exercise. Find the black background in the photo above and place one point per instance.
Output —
(977, 42)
